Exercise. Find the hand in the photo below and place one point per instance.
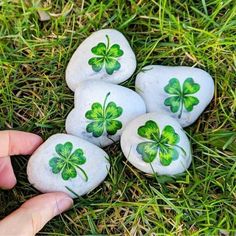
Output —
(36, 212)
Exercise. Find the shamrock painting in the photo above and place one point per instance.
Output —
(106, 55)
(181, 97)
(163, 144)
(104, 118)
(68, 162)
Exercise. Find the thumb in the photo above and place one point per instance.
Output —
(34, 214)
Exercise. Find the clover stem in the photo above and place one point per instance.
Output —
(185, 154)
(85, 175)
(69, 189)
(154, 173)
(178, 148)
(104, 104)
(108, 42)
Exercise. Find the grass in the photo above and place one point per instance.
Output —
(34, 97)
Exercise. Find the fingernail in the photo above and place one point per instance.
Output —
(64, 204)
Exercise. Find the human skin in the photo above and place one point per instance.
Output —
(36, 212)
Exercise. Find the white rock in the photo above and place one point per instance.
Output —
(97, 100)
(47, 172)
(121, 58)
(146, 147)
(154, 85)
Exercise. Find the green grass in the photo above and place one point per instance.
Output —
(34, 97)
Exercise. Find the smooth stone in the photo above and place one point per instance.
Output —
(102, 110)
(141, 141)
(88, 62)
(47, 173)
(183, 92)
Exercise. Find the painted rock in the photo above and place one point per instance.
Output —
(156, 143)
(102, 110)
(105, 55)
(183, 92)
(69, 164)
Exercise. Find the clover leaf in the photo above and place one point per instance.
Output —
(104, 118)
(181, 97)
(106, 55)
(67, 162)
(163, 144)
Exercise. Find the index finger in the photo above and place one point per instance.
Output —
(18, 143)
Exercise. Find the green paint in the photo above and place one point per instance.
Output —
(164, 143)
(106, 55)
(67, 162)
(181, 97)
(104, 118)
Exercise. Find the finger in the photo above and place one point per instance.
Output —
(17, 142)
(34, 214)
(7, 176)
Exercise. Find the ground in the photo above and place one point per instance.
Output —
(34, 97)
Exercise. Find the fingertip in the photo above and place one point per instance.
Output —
(64, 203)
(31, 217)
(23, 143)
(58, 200)
(8, 184)
(7, 176)
(35, 141)
(11, 183)
(30, 139)
(35, 138)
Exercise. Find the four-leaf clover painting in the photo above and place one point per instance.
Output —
(106, 56)
(104, 118)
(67, 162)
(181, 97)
(162, 144)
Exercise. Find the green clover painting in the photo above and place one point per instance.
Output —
(106, 56)
(159, 143)
(181, 97)
(104, 118)
(67, 162)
